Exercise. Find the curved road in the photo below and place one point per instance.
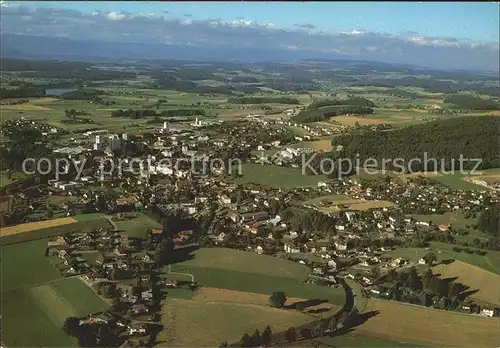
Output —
(179, 273)
(110, 219)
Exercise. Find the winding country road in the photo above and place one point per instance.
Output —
(110, 219)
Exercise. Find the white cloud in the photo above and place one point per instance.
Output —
(433, 42)
(355, 32)
(116, 16)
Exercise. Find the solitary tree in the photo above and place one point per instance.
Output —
(291, 335)
(375, 272)
(277, 299)
(430, 258)
(256, 339)
(72, 326)
(318, 331)
(245, 341)
(265, 338)
(306, 333)
(332, 324)
(301, 306)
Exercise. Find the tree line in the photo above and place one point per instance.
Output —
(352, 100)
(489, 222)
(472, 102)
(264, 100)
(318, 115)
(427, 289)
(324, 109)
(135, 114)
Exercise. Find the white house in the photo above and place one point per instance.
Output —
(421, 262)
(341, 245)
(224, 199)
(291, 248)
(349, 215)
(366, 280)
(487, 312)
(135, 330)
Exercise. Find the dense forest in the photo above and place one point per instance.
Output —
(431, 85)
(22, 92)
(264, 100)
(324, 109)
(444, 140)
(354, 101)
(471, 102)
(179, 85)
(489, 221)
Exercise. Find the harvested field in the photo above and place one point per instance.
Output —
(318, 145)
(487, 283)
(351, 120)
(223, 295)
(33, 226)
(365, 205)
(190, 323)
(424, 174)
(398, 321)
(44, 100)
(25, 107)
(354, 204)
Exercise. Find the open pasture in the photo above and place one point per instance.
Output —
(192, 323)
(24, 264)
(355, 339)
(333, 202)
(208, 294)
(41, 311)
(137, 226)
(249, 272)
(489, 262)
(352, 120)
(275, 176)
(243, 261)
(402, 322)
(487, 284)
(260, 283)
(453, 180)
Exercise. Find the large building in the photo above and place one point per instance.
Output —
(98, 145)
(114, 142)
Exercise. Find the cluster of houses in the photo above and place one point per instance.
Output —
(105, 259)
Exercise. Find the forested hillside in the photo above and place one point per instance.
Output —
(324, 109)
(444, 140)
(471, 102)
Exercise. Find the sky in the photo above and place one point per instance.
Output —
(469, 20)
(436, 34)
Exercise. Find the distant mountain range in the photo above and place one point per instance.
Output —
(42, 47)
(22, 46)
